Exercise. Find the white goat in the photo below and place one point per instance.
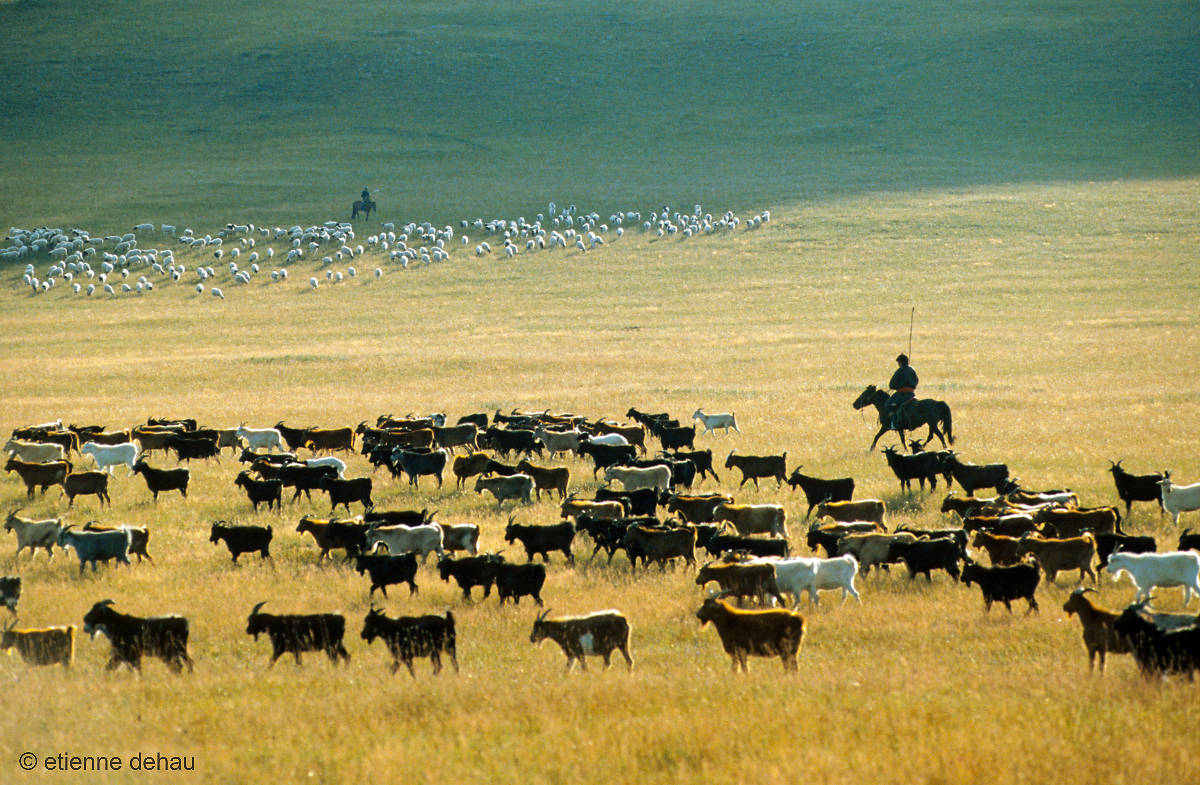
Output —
(1147, 570)
(712, 422)
(261, 438)
(801, 574)
(337, 464)
(1178, 498)
(107, 456)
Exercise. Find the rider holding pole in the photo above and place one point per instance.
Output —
(904, 385)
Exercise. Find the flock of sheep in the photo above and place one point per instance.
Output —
(1024, 533)
(116, 265)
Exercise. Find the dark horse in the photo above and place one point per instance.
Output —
(361, 206)
(914, 414)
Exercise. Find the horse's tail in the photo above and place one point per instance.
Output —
(946, 420)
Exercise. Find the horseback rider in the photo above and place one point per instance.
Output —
(904, 385)
(366, 195)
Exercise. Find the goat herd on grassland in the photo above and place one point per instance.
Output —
(116, 265)
(1025, 533)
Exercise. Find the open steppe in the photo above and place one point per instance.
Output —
(1023, 175)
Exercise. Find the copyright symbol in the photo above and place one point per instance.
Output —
(28, 761)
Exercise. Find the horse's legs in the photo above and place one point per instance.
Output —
(882, 430)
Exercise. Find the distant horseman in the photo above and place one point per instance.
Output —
(904, 384)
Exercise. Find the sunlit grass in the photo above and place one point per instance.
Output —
(1059, 335)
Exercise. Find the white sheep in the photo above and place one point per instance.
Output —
(218, 293)
(313, 282)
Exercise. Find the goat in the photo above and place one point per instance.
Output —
(712, 422)
(800, 574)
(701, 459)
(1001, 549)
(674, 438)
(107, 456)
(35, 474)
(573, 508)
(190, 446)
(294, 633)
(817, 490)
(460, 537)
(417, 464)
(33, 534)
(86, 484)
(1004, 584)
(350, 536)
(920, 467)
(926, 555)
(462, 435)
(302, 477)
(96, 546)
(1108, 544)
(10, 592)
(971, 476)
(388, 570)
(260, 438)
(465, 466)
(872, 510)
(599, 633)
(421, 540)
(635, 479)
(518, 486)
(542, 539)
(751, 579)
(35, 452)
(242, 539)
(634, 435)
(343, 492)
(1098, 634)
(753, 518)
(160, 480)
(827, 536)
(605, 455)
(261, 491)
(409, 637)
(135, 637)
(1189, 541)
(1055, 555)
(1136, 487)
(139, 538)
(558, 441)
(470, 572)
(1175, 499)
(718, 544)
(519, 580)
(641, 502)
(872, 548)
(46, 646)
(696, 509)
(755, 466)
(660, 545)
(1155, 650)
(1073, 523)
(1148, 570)
(755, 633)
(546, 478)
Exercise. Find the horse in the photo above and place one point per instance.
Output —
(363, 206)
(912, 415)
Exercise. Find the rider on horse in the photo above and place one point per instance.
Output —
(366, 195)
(904, 383)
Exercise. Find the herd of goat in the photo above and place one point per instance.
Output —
(654, 518)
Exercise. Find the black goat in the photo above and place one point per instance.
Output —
(1004, 584)
(343, 492)
(924, 556)
(387, 570)
(409, 637)
(920, 467)
(1159, 651)
(160, 480)
(470, 571)
(1136, 487)
(1107, 544)
(972, 476)
(134, 637)
(542, 539)
(817, 490)
(299, 633)
(519, 580)
(259, 492)
(242, 539)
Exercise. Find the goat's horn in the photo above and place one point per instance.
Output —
(257, 607)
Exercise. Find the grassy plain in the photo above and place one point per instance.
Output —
(1022, 173)
(1057, 321)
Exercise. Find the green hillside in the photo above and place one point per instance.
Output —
(203, 112)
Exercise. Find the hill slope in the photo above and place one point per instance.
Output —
(204, 112)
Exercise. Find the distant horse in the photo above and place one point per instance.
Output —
(912, 415)
(364, 206)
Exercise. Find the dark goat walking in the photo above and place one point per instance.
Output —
(299, 633)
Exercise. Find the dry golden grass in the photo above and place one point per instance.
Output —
(1059, 323)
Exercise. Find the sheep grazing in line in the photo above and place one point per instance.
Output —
(755, 633)
(597, 633)
(1098, 634)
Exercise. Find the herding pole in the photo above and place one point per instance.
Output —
(911, 316)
